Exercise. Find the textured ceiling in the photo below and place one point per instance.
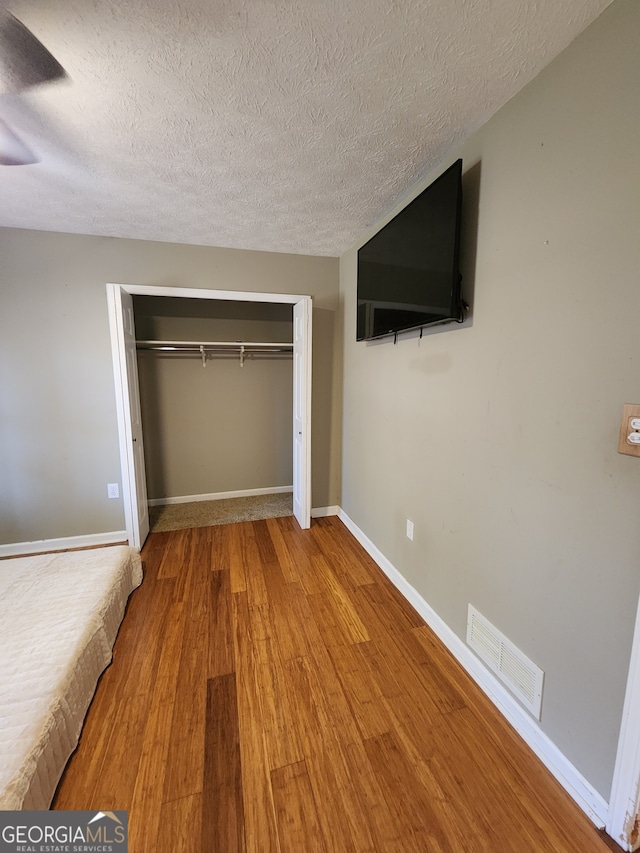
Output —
(281, 125)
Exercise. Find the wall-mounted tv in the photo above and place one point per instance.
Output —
(408, 274)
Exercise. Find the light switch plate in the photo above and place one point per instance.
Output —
(629, 412)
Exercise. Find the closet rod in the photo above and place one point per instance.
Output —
(222, 346)
(224, 349)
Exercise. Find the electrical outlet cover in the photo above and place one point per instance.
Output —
(630, 412)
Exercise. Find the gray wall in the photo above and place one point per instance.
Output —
(58, 432)
(222, 427)
(499, 438)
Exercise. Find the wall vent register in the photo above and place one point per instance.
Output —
(519, 674)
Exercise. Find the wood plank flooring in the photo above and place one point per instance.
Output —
(272, 691)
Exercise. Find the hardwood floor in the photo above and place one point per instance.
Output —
(272, 691)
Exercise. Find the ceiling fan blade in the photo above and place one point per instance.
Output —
(24, 60)
(13, 151)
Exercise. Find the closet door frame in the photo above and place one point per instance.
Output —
(131, 490)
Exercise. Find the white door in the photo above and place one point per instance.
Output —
(624, 802)
(125, 368)
(302, 412)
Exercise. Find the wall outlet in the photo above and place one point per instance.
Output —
(410, 529)
(629, 438)
(113, 490)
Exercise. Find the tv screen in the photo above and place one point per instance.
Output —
(408, 273)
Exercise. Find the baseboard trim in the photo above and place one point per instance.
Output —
(219, 496)
(574, 783)
(324, 511)
(41, 546)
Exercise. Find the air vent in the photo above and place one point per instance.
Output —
(522, 676)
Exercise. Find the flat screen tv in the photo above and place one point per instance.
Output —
(408, 273)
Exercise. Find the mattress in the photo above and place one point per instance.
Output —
(59, 616)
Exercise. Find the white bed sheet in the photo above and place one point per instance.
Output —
(59, 616)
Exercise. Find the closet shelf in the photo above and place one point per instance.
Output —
(219, 349)
(221, 345)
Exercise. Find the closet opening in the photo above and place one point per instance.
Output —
(216, 394)
(192, 352)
